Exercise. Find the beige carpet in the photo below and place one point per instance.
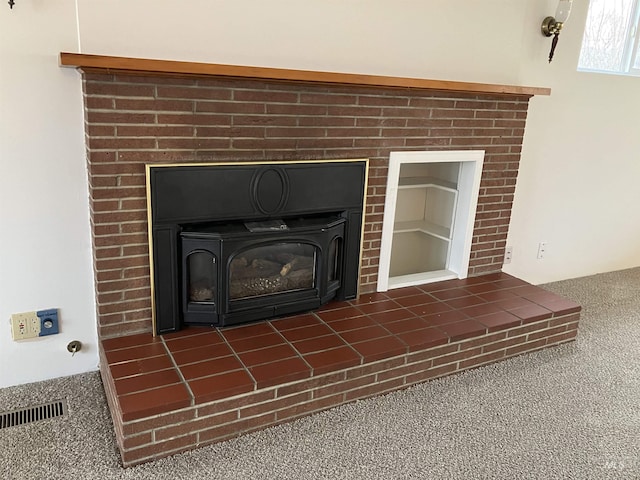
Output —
(569, 412)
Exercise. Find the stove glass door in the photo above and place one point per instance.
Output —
(274, 268)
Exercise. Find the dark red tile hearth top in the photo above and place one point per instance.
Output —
(424, 338)
(499, 321)
(153, 402)
(333, 360)
(197, 365)
(272, 354)
(464, 329)
(219, 386)
(282, 371)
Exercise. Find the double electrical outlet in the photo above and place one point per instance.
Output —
(34, 324)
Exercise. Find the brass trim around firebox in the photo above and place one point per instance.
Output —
(147, 170)
(150, 166)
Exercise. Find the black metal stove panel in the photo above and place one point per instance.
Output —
(232, 275)
(187, 202)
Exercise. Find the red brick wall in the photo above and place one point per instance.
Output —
(133, 120)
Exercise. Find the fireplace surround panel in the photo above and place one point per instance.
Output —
(232, 243)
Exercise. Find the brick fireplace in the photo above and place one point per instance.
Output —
(164, 393)
(135, 120)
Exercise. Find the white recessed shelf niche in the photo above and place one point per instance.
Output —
(429, 215)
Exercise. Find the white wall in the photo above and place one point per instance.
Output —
(576, 187)
(45, 249)
(578, 182)
(439, 39)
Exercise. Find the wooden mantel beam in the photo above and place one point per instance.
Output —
(145, 66)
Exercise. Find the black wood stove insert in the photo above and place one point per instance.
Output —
(234, 243)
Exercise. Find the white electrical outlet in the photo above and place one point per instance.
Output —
(25, 325)
(508, 255)
(542, 249)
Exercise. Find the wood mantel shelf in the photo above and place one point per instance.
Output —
(110, 64)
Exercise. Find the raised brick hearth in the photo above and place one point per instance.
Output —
(199, 386)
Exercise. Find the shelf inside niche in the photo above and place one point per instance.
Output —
(423, 226)
(421, 278)
(414, 182)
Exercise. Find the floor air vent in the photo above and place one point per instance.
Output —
(33, 414)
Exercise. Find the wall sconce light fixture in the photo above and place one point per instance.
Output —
(553, 25)
(11, 4)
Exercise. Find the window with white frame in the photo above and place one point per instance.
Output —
(610, 43)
